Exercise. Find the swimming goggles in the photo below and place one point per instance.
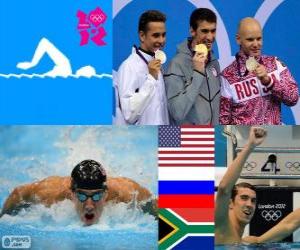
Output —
(95, 196)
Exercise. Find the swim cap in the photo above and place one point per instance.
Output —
(88, 174)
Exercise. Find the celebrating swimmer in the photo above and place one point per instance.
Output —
(235, 203)
(88, 187)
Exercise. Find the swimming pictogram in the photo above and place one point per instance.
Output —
(62, 65)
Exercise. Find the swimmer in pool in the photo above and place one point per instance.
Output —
(88, 187)
(235, 203)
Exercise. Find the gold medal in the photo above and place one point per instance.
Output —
(251, 64)
(160, 55)
(201, 48)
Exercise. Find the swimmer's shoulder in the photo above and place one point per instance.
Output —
(124, 189)
(119, 183)
(119, 180)
(53, 189)
(54, 181)
(117, 189)
(226, 234)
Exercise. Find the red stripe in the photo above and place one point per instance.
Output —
(196, 214)
(186, 201)
(196, 145)
(197, 133)
(186, 152)
(197, 139)
(185, 158)
(195, 126)
(185, 165)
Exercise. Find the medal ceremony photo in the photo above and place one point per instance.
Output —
(149, 124)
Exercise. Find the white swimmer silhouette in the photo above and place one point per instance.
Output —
(62, 64)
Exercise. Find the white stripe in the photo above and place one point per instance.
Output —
(186, 173)
(197, 130)
(184, 237)
(197, 136)
(197, 142)
(200, 234)
(201, 223)
(212, 149)
(186, 161)
(186, 155)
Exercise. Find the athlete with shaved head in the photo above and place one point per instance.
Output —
(254, 85)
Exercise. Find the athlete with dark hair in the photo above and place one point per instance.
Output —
(235, 204)
(88, 187)
(139, 83)
(192, 79)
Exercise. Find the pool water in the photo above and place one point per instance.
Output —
(57, 227)
(31, 153)
(268, 246)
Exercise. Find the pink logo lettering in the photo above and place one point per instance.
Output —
(89, 26)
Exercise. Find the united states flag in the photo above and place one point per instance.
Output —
(186, 187)
(186, 146)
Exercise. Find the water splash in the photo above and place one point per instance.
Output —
(63, 217)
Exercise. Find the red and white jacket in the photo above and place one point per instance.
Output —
(246, 101)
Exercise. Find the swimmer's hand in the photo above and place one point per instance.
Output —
(251, 239)
(24, 65)
(150, 207)
(16, 209)
(256, 136)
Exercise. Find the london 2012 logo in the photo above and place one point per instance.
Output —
(89, 26)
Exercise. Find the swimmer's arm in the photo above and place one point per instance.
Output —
(20, 197)
(227, 183)
(150, 207)
(251, 239)
(232, 175)
(146, 202)
(122, 189)
(280, 231)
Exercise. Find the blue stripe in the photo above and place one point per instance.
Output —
(196, 243)
(186, 187)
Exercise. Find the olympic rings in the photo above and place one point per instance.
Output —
(96, 18)
(250, 165)
(293, 165)
(271, 215)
